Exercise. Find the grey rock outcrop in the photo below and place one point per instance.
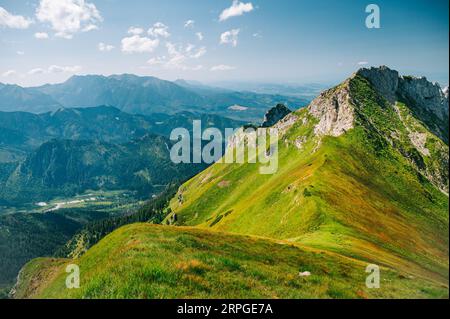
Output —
(334, 111)
(424, 94)
(274, 115)
(426, 99)
(383, 79)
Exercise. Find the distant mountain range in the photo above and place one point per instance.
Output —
(142, 95)
(23, 132)
(70, 150)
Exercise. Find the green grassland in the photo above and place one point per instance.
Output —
(149, 261)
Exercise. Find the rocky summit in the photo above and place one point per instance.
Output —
(427, 100)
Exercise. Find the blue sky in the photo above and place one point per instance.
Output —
(298, 41)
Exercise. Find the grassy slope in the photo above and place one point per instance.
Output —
(203, 264)
(355, 195)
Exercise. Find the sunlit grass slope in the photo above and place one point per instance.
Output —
(147, 261)
(358, 195)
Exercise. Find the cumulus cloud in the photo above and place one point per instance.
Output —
(138, 44)
(9, 73)
(41, 35)
(159, 29)
(189, 24)
(90, 27)
(135, 31)
(230, 37)
(222, 67)
(103, 47)
(237, 9)
(10, 20)
(67, 17)
(199, 36)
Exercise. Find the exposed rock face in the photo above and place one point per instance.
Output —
(419, 141)
(334, 111)
(285, 123)
(425, 94)
(383, 79)
(426, 99)
(420, 91)
(275, 114)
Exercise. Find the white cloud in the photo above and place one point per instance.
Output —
(222, 67)
(68, 17)
(64, 69)
(189, 24)
(237, 9)
(9, 73)
(36, 71)
(363, 63)
(199, 53)
(13, 21)
(20, 53)
(199, 36)
(90, 27)
(178, 56)
(257, 35)
(159, 29)
(135, 31)
(103, 47)
(230, 37)
(138, 44)
(41, 35)
(55, 69)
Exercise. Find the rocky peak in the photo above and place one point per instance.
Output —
(419, 90)
(275, 114)
(334, 111)
(426, 99)
(383, 79)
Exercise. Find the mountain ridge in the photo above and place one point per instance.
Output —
(24, 132)
(350, 153)
(143, 95)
